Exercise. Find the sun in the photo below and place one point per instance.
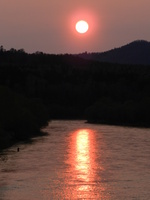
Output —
(82, 26)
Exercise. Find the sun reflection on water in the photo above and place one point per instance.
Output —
(82, 155)
(83, 164)
(79, 176)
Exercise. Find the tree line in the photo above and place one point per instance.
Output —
(37, 87)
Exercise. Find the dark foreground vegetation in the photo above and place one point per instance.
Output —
(20, 117)
(37, 87)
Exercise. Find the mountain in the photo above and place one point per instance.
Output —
(137, 52)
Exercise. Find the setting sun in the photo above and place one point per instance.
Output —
(82, 26)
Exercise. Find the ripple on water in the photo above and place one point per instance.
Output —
(79, 161)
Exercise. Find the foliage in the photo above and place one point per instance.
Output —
(20, 117)
(71, 87)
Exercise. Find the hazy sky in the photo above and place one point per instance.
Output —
(49, 25)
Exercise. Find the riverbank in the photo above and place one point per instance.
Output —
(125, 113)
(7, 140)
(136, 125)
(21, 118)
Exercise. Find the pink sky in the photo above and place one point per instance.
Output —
(49, 26)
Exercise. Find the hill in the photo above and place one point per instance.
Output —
(136, 53)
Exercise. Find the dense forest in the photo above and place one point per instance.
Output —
(35, 88)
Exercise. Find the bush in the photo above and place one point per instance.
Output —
(20, 116)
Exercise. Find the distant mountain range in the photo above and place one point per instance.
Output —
(137, 53)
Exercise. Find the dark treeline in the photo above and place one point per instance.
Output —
(20, 117)
(38, 87)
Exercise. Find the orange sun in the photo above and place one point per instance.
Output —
(82, 26)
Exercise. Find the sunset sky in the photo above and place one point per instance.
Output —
(49, 25)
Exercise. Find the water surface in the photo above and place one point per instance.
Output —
(78, 161)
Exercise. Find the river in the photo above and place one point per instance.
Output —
(76, 160)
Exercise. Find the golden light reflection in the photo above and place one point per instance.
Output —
(83, 155)
(83, 164)
(80, 177)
